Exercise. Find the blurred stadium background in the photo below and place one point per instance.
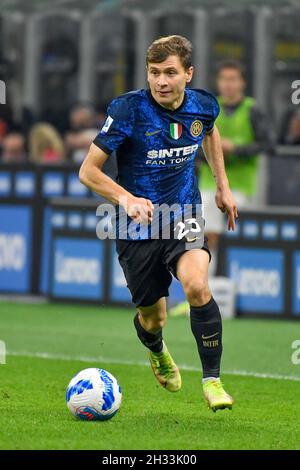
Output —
(58, 57)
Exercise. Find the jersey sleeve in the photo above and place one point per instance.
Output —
(117, 127)
(215, 109)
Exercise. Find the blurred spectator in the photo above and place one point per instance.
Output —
(81, 142)
(82, 116)
(245, 134)
(13, 148)
(83, 130)
(291, 133)
(101, 116)
(6, 122)
(46, 145)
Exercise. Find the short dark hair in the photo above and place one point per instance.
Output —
(163, 47)
(231, 64)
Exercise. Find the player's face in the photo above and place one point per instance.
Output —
(230, 83)
(167, 81)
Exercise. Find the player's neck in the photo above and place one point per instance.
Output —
(176, 104)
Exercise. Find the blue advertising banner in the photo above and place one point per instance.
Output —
(75, 220)
(270, 230)
(74, 187)
(52, 184)
(296, 284)
(259, 276)
(15, 248)
(25, 184)
(5, 184)
(289, 231)
(90, 221)
(78, 268)
(250, 229)
(118, 286)
(45, 258)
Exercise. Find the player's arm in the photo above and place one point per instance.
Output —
(92, 176)
(212, 148)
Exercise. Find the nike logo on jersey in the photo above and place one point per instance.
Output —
(211, 336)
(147, 134)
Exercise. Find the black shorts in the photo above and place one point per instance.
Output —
(148, 264)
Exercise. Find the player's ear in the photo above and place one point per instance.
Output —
(189, 74)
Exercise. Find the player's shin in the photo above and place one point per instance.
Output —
(154, 342)
(162, 363)
(206, 324)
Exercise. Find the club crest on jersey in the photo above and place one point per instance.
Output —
(175, 130)
(196, 128)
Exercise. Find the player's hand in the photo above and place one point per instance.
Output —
(226, 203)
(140, 210)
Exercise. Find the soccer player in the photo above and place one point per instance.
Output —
(156, 133)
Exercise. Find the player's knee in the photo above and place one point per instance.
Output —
(159, 323)
(194, 286)
(155, 322)
(197, 291)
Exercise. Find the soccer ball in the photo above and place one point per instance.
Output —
(94, 394)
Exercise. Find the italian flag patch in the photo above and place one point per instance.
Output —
(175, 130)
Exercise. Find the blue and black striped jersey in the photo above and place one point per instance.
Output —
(156, 147)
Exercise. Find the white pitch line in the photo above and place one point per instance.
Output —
(106, 360)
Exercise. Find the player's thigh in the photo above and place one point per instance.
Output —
(147, 276)
(192, 271)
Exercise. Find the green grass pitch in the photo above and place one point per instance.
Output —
(48, 343)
